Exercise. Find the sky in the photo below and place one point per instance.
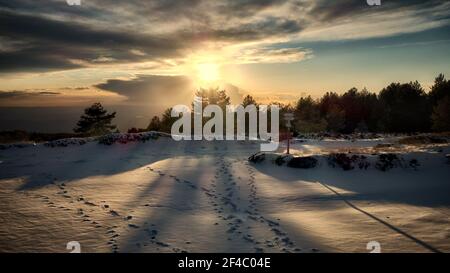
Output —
(154, 54)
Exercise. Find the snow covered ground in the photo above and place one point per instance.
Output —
(199, 196)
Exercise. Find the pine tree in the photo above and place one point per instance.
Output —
(441, 115)
(155, 124)
(406, 108)
(335, 119)
(307, 115)
(249, 100)
(439, 90)
(95, 121)
(167, 120)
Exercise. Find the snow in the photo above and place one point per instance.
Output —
(148, 193)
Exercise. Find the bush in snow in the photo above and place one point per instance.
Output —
(414, 163)
(17, 145)
(280, 160)
(347, 162)
(388, 161)
(67, 141)
(124, 138)
(4, 146)
(256, 158)
(305, 162)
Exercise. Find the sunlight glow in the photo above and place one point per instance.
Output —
(208, 72)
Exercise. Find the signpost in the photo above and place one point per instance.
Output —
(288, 117)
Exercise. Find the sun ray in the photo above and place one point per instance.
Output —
(208, 72)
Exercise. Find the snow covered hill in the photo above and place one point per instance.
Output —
(148, 193)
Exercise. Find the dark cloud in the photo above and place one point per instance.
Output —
(52, 44)
(331, 10)
(51, 7)
(152, 89)
(49, 93)
(27, 60)
(173, 6)
(47, 43)
(247, 7)
(197, 11)
(328, 11)
(268, 27)
(19, 94)
(51, 35)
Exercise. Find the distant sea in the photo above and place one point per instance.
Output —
(64, 119)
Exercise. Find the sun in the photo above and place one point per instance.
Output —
(208, 72)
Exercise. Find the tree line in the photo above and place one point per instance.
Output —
(397, 108)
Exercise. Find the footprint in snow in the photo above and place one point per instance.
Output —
(114, 213)
(89, 203)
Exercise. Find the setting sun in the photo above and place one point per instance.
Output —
(208, 72)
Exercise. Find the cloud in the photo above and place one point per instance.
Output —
(49, 44)
(66, 96)
(152, 89)
(352, 19)
(52, 36)
(15, 94)
(266, 28)
(49, 93)
(235, 93)
(273, 55)
(27, 97)
(332, 11)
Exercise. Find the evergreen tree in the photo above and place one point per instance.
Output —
(439, 90)
(95, 121)
(167, 120)
(441, 115)
(406, 108)
(249, 100)
(155, 124)
(213, 96)
(307, 115)
(335, 118)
